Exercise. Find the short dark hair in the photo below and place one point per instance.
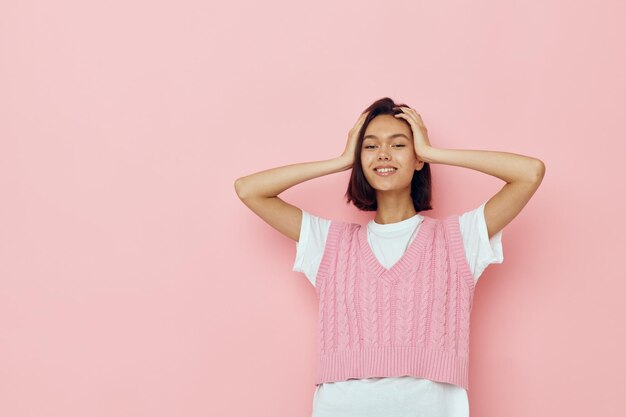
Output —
(360, 192)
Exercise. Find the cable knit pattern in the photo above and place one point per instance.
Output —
(411, 319)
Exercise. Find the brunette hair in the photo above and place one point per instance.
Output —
(360, 192)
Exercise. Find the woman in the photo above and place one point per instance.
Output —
(395, 295)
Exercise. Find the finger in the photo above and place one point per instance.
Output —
(404, 116)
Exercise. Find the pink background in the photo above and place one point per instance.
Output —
(133, 282)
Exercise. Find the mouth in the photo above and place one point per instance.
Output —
(385, 172)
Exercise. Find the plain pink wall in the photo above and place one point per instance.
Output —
(133, 282)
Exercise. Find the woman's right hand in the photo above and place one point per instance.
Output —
(353, 137)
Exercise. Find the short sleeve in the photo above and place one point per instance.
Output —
(479, 249)
(310, 247)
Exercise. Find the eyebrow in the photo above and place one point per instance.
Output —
(395, 135)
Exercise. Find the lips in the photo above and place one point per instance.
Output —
(386, 172)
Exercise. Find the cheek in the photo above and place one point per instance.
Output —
(410, 157)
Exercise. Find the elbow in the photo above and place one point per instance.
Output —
(540, 171)
(239, 188)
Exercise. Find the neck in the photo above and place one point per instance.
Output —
(393, 206)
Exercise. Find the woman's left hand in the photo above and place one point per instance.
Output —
(420, 133)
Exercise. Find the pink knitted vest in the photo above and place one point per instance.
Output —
(412, 319)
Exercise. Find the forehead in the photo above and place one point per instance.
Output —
(387, 126)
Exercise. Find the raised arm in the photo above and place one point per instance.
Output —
(260, 191)
(523, 174)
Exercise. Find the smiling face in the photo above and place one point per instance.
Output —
(388, 141)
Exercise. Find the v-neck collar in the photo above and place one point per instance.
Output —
(408, 257)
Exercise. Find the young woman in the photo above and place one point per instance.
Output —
(395, 295)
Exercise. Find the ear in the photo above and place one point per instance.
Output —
(419, 165)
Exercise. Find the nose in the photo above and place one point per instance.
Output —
(383, 154)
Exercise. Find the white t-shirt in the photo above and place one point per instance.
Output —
(405, 395)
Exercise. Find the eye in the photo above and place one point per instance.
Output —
(398, 145)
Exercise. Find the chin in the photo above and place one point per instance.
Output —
(397, 182)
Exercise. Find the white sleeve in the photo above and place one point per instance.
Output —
(310, 247)
(479, 249)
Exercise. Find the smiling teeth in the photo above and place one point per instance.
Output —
(385, 169)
